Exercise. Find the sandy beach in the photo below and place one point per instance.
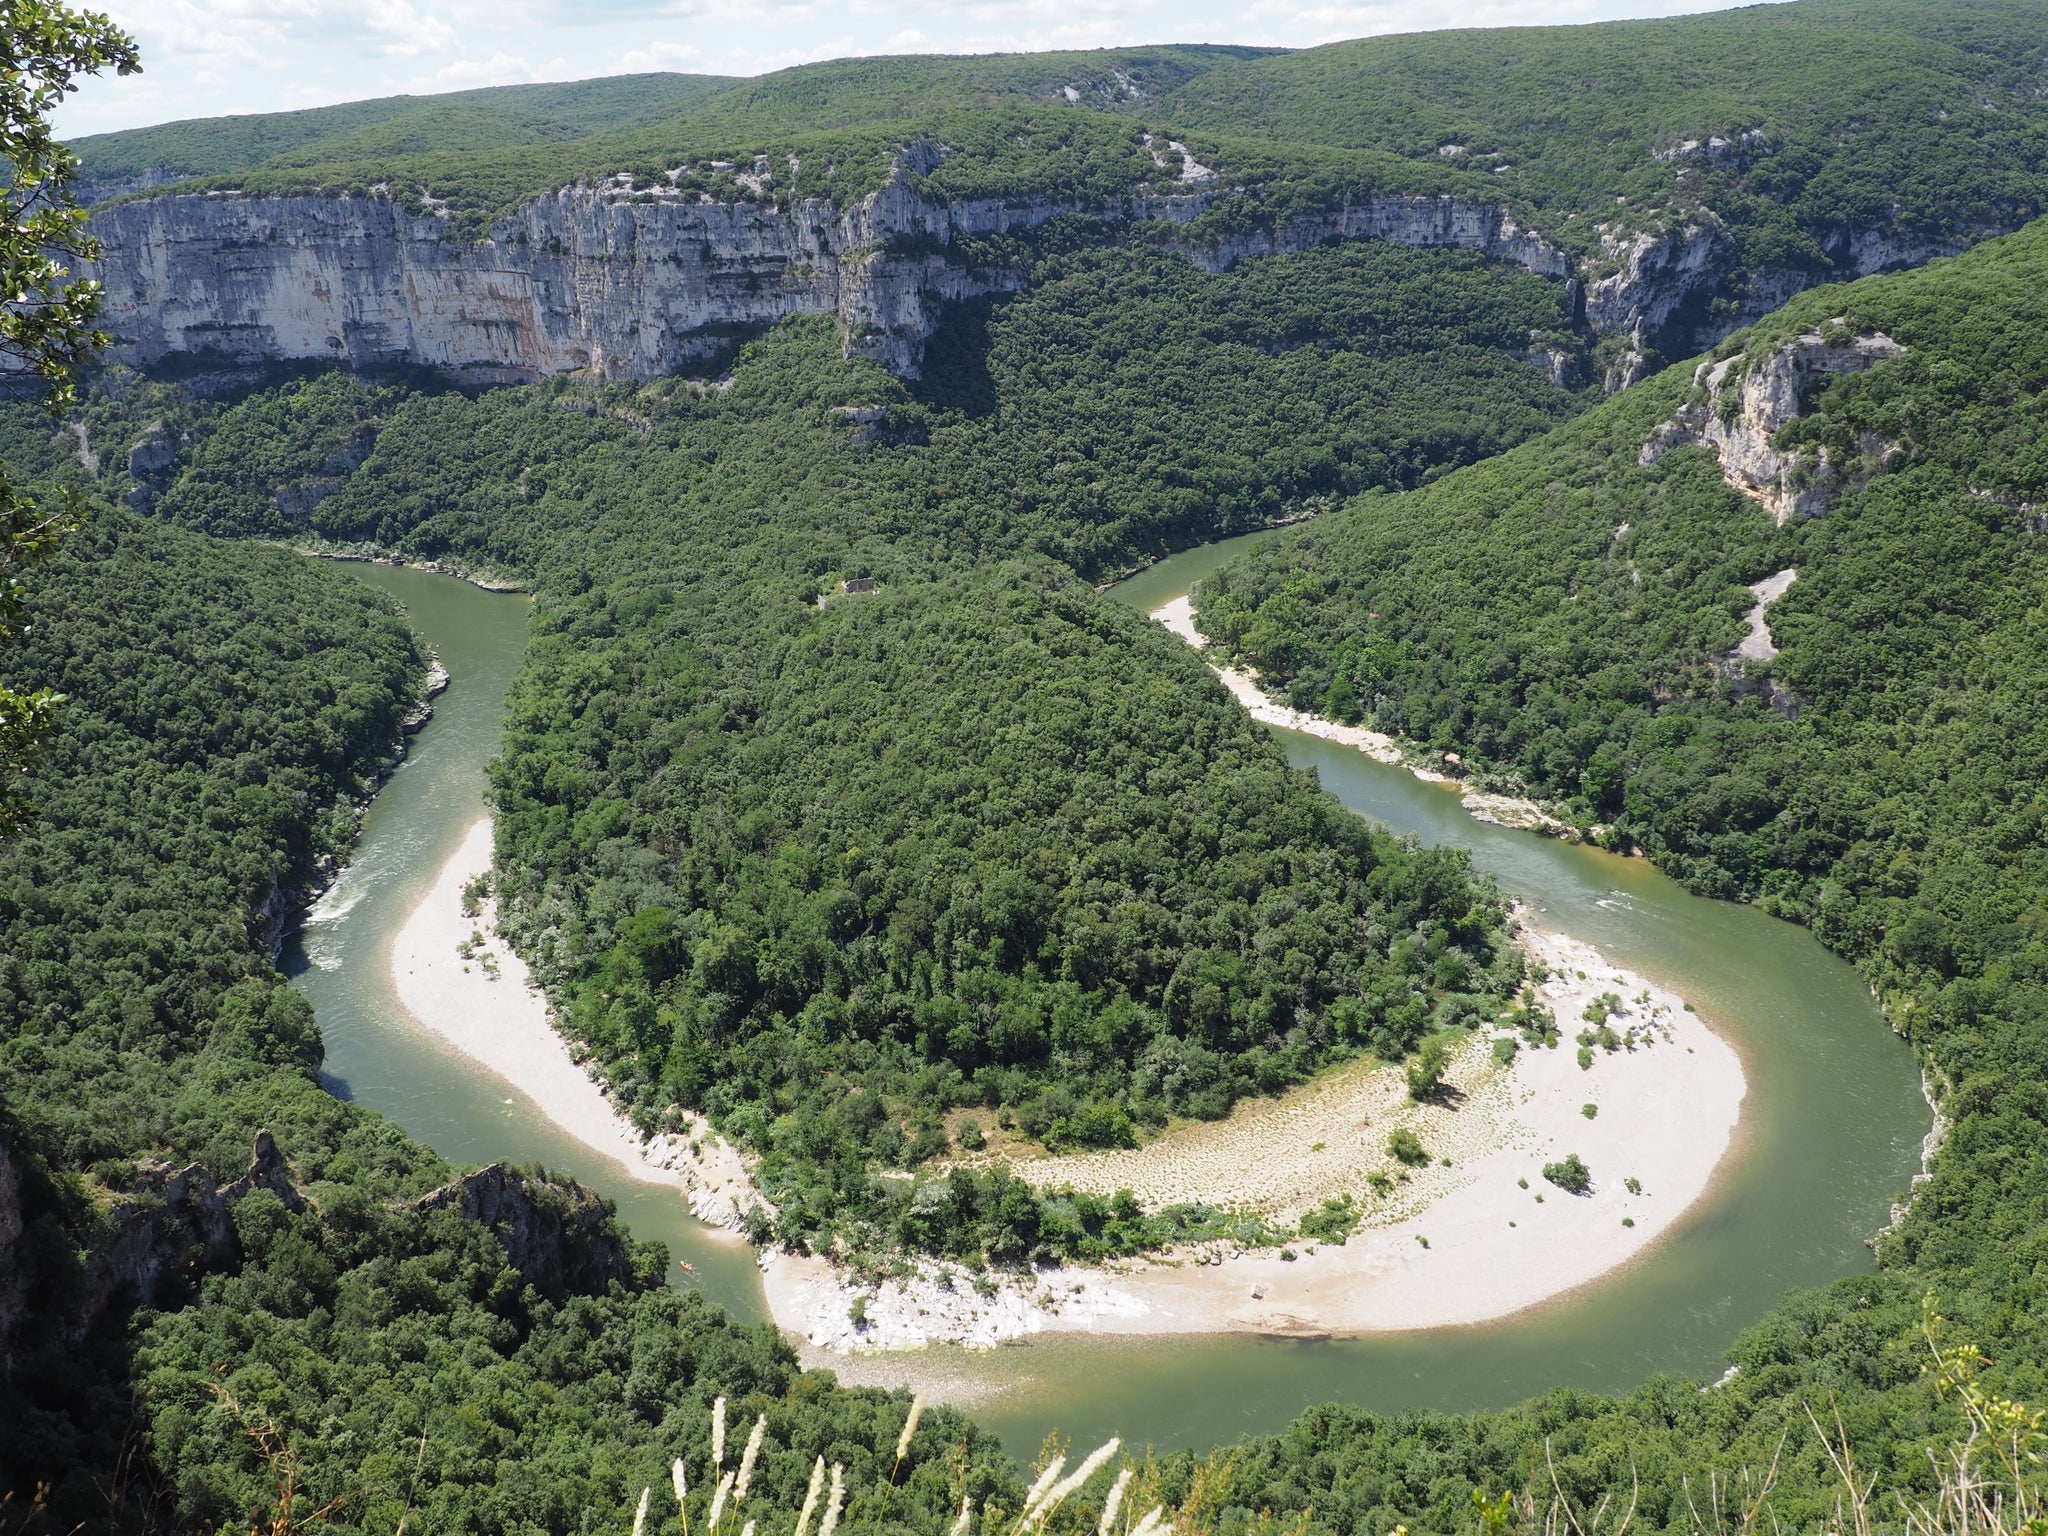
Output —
(1475, 1238)
(1476, 1234)
(486, 1005)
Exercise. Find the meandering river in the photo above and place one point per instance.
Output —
(1830, 1136)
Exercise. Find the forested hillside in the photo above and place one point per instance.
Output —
(1699, 169)
(225, 704)
(1567, 616)
(836, 802)
(461, 121)
(833, 868)
(1781, 119)
(1132, 878)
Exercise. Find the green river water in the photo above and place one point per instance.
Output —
(1830, 1133)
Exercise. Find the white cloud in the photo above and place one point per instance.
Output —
(498, 69)
(661, 56)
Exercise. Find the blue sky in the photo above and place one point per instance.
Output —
(204, 58)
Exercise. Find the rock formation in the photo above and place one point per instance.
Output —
(152, 1240)
(627, 283)
(1654, 288)
(558, 1235)
(1739, 414)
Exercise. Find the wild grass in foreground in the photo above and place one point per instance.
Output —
(1989, 1479)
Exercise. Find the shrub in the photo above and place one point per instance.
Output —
(1569, 1174)
(1407, 1147)
(1332, 1222)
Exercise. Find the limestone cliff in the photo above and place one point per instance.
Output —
(623, 281)
(1738, 413)
(1657, 289)
(149, 1242)
(559, 1236)
(627, 283)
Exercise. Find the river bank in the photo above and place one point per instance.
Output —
(469, 988)
(1502, 810)
(1474, 1234)
(1477, 1235)
(1830, 1131)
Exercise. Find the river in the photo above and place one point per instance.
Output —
(1830, 1134)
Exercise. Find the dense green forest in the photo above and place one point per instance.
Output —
(844, 867)
(460, 121)
(837, 870)
(1564, 617)
(226, 704)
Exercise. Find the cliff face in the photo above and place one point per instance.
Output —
(1739, 414)
(559, 1236)
(1659, 287)
(622, 284)
(151, 1241)
(632, 284)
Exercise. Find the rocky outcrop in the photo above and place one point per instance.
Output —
(1739, 413)
(1654, 288)
(13, 1271)
(559, 1236)
(167, 1228)
(423, 711)
(151, 1240)
(623, 282)
(1432, 221)
(1743, 680)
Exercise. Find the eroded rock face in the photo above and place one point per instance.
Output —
(559, 1236)
(1738, 416)
(1655, 286)
(624, 284)
(170, 1225)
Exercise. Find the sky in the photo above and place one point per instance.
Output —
(207, 58)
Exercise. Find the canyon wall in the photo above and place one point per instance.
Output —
(632, 284)
(621, 284)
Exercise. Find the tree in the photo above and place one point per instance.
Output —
(1426, 1071)
(1406, 1147)
(46, 321)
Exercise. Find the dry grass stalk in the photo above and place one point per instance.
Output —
(1991, 1482)
(1043, 1486)
(835, 1501)
(817, 1486)
(1110, 1505)
(1756, 1496)
(747, 1458)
